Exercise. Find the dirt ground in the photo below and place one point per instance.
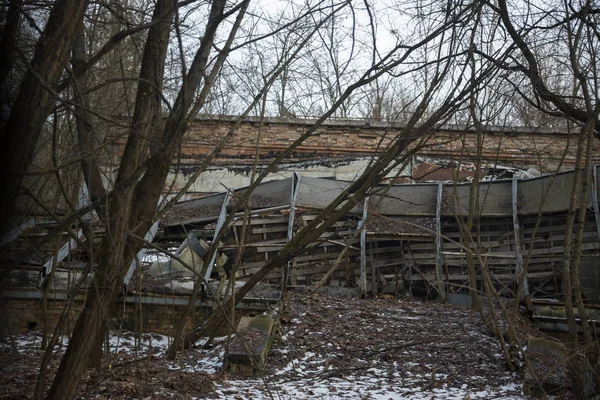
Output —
(329, 348)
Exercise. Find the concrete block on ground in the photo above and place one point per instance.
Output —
(252, 343)
(548, 360)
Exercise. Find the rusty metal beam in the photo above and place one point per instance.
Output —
(220, 225)
(439, 260)
(140, 255)
(287, 276)
(363, 249)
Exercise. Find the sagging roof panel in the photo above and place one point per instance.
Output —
(320, 192)
(495, 199)
(405, 200)
(266, 195)
(194, 210)
(552, 193)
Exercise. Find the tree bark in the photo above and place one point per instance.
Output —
(118, 249)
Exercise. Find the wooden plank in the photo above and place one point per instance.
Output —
(539, 239)
(323, 245)
(276, 242)
(314, 270)
(388, 263)
(560, 249)
(551, 229)
(262, 221)
(460, 262)
(270, 229)
(324, 256)
(501, 277)
(507, 277)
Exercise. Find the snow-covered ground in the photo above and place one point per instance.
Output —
(329, 349)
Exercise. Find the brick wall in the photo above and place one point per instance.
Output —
(21, 316)
(514, 146)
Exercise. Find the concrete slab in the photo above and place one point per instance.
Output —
(548, 360)
(252, 343)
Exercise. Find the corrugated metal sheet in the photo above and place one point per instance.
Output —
(405, 200)
(495, 199)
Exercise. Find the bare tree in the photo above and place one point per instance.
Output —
(35, 98)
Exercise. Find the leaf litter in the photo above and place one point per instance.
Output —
(326, 347)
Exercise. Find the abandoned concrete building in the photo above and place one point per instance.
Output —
(404, 237)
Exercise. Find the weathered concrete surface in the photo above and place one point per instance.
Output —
(252, 343)
(548, 361)
(549, 316)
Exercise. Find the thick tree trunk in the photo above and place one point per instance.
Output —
(131, 210)
(35, 101)
(91, 324)
(118, 249)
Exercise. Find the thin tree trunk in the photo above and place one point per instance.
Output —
(568, 276)
(90, 326)
(85, 130)
(567, 259)
(581, 217)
